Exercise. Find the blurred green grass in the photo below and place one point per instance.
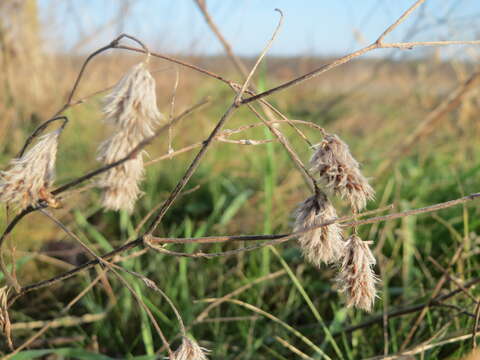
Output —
(250, 190)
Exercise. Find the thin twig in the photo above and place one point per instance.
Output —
(39, 130)
(260, 58)
(452, 278)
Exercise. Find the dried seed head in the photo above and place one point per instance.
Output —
(121, 183)
(356, 277)
(132, 104)
(323, 244)
(189, 350)
(132, 108)
(29, 178)
(341, 172)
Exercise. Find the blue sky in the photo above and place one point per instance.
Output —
(314, 27)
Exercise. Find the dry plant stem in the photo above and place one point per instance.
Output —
(276, 320)
(312, 74)
(179, 62)
(11, 225)
(222, 137)
(475, 325)
(206, 144)
(112, 267)
(238, 63)
(435, 292)
(39, 130)
(292, 348)
(311, 182)
(228, 49)
(221, 239)
(191, 169)
(68, 274)
(437, 301)
(172, 109)
(378, 44)
(292, 122)
(204, 314)
(131, 154)
(452, 278)
(262, 55)
(112, 45)
(51, 323)
(147, 311)
(401, 19)
(277, 239)
(285, 237)
(64, 321)
(424, 347)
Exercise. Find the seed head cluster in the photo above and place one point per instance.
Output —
(356, 277)
(29, 178)
(132, 109)
(189, 350)
(340, 172)
(323, 244)
(336, 166)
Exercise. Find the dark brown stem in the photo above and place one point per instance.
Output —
(191, 169)
(39, 130)
(68, 274)
(179, 62)
(286, 237)
(113, 44)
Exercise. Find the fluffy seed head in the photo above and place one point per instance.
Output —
(356, 277)
(341, 172)
(132, 104)
(29, 178)
(132, 109)
(120, 184)
(189, 350)
(323, 244)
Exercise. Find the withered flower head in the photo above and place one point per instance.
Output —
(30, 177)
(356, 277)
(132, 104)
(341, 172)
(121, 183)
(323, 244)
(189, 350)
